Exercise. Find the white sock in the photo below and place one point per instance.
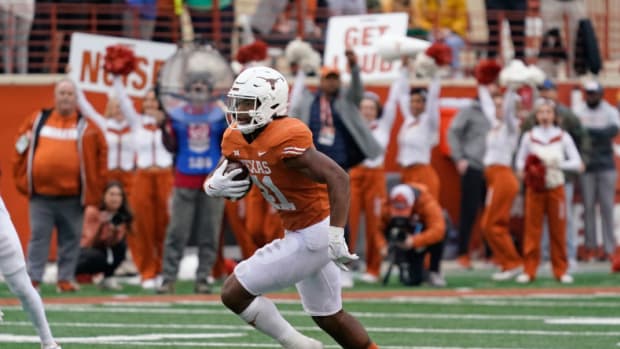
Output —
(21, 286)
(264, 315)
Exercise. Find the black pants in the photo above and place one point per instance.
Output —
(101, 260)
(473, 191)
(411, 264)
(514, 11)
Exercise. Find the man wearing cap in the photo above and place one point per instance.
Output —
(569, 122)
(333, 116)
(598, 183)
(413, 202)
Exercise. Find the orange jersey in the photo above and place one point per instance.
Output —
(300, 201)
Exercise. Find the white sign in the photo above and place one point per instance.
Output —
(361, 33)
(86, 61)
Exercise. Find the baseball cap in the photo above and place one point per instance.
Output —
(329, 70)
(402, 199)
(592, 86)
(548, 84)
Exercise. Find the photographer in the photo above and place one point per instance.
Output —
(416, 227)
(103, 244)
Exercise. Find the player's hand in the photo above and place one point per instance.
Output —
(223, 185)
(338, 250)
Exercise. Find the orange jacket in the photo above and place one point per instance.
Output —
(92, 149)
(427, 211)
(97, 230)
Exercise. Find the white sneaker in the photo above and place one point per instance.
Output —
(506, 274)
(109, 283)
(566, 279)
(436, 279)
(523, 279)
(50, 346)
(369, 278)
(150, 284)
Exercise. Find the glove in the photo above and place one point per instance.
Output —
(223, 185)
(338, 250)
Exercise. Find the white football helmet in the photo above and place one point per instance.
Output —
(257, 94)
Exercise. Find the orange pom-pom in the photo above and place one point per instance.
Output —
(440, 52)
(487, 71)
(119, 60)
(535, 173)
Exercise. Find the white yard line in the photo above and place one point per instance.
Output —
(583, 321)
(316, 329)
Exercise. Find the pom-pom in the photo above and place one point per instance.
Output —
(440, 52)
(535, 172)
(254, 52)
(119, 60)
(487, 71)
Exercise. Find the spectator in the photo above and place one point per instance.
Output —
(152, 184)
(514, 11)
(202, 14)
(570, 123)
(193, 133)
(332, 113)
(444, 20)
(601, 120)
(118, 137)
(139, 19)
(502, 185)
(59, 163)
(103, 244)
(543, 154)
(415, 210)
(346, 7)
(562, 32)
(15, 23)
(368, 182)
(467, 139)
(13, 269)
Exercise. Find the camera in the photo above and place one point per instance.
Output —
(119, 218)
(397, 230)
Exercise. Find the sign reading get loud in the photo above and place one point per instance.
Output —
(361, 33)
(86, 59)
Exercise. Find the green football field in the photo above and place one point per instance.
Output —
(472, 313)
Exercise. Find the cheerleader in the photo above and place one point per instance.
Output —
(118, 136)
(152, 184)
(418, 134)
(502, 184)
(544, 152)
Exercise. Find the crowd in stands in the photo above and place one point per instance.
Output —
(133, 180)
(564, 45)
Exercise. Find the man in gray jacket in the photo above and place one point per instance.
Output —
(332, 115)
(598, 183)
(467, 138)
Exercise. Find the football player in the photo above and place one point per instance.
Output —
(13, 268)
(311, 193)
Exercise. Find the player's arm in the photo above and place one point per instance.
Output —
(322, 169)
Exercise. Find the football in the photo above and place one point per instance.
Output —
(233, 165)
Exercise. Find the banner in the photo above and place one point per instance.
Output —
(360, 34)
(86, 61)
